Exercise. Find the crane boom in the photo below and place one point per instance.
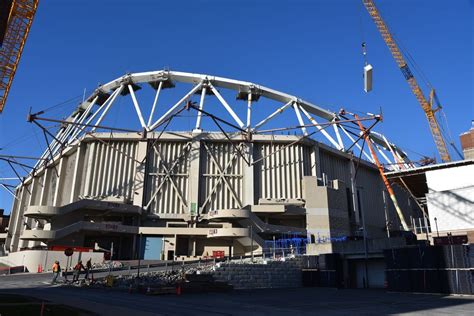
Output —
(18, 26)
(390, 191)
(415, 88)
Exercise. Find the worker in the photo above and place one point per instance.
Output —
(56, 271)
(77, 270)
(88, 269)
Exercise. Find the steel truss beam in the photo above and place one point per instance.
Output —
(89, 115)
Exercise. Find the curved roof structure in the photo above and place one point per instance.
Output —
(336, 129)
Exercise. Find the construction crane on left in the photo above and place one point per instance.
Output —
(16, 17)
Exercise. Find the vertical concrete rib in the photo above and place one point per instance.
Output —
(77, 174)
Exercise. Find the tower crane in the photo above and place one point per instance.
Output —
(16, 18)
(426, 105)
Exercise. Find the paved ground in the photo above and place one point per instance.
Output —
(302, 301)
(31, 280)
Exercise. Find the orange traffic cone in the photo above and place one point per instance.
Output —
(40, 268)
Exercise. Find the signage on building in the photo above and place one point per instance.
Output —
(193, 209)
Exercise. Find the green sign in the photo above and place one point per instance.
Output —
(193, 209)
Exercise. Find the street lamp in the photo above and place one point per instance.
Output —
(436, 223)
(139, 255)
(111, 251)
(251, 241)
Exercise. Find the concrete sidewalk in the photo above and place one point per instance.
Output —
(299, 301)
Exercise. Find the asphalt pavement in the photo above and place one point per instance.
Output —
(300, 301)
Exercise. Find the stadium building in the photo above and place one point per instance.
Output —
(222, 186)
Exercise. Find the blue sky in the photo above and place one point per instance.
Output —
(311, 49)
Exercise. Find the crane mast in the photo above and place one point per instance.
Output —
(415, 88)
(18, 26)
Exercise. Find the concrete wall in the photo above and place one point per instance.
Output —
(198, 173)
(451, 198)
(32, 258)
(363, 184)
(326, 209)
(274, 274)
(355, 246)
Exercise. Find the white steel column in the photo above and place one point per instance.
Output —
(80, 129)
(154, 104)
(278, 111)
(88, 109)
(174, 107)
(62, 137)
(115, 94)
(74, 127)
(395, 157)
(137, 107)
(336, 131)
(391, 165)
(201, 106)
(227, 106)
(315, 123)
(249, 109)
(300, 119)
(357, 145)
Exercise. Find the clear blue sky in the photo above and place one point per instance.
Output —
(307, 48)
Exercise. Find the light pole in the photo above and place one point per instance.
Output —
(387, 221)
(111, 255)
(274, 245)
(366, 246)
(251, 241)
(436, 223)
(162, 248)
(111, 252)
(139, 254)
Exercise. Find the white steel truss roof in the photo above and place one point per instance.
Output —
(90, 114)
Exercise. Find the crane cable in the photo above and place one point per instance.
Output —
(362, 35)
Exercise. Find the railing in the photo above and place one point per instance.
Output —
(421, 225)
(278, 255)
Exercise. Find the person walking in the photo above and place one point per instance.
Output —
(77, 270)
(56, 271)
(88, 269)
